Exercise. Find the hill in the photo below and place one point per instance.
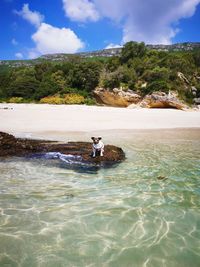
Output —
(60, 57)
(135, 68)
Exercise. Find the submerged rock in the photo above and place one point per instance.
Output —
(161, 177)
(11, 146)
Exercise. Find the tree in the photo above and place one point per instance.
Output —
(42, 69)
(85, 75)
(132, 50)
(46, 87)
(156, 74)
(22, 83)
(59, 79)
(196, 56)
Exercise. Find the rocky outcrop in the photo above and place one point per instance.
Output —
(11, 146)
(116, 97)
(120, 98)
(162, 100)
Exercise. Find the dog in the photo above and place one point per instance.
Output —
(97, 147)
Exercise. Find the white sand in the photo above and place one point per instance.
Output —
(37, 118)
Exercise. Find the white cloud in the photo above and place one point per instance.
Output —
(33, 53)
(34, 17)
(14, 42)
(80, 10)
(49, 39)
(112, 46)
(19, 55)
(151, 21)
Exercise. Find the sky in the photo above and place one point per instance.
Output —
(31, 28)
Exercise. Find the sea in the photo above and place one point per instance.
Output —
(142, 212)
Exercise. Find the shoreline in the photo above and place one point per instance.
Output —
(35, 120)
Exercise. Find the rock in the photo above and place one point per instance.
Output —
(161, 177)
(194, 90)
(11, 146)
(116, 97)
(197, 101)
(6, 108)
(182, 77)
(132, 106)
(162, 100)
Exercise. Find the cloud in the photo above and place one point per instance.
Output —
(49, 39)
(19, 55)
(150, 21)
(112, 46)
(80, 10)
(33, 53)
(14, 42)
(34, 17)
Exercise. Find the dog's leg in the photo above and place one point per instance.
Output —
(102, 151)
(93, 152)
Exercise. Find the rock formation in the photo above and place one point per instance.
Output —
(116, 97)
(120, 98)
(162, 100)
(11, 146)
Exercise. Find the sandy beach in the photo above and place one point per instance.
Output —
(38, 119)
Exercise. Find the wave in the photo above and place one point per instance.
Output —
(67, 158)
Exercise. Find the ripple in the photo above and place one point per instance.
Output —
(124, 216)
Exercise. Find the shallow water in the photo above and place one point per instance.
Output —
(142, 212)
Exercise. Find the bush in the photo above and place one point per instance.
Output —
(186, 96)
(73, 99)
(16, 100)
(69, 90)
(156, 74)
(57, 100)
(90, 101)
(156, 86)
(66, 99)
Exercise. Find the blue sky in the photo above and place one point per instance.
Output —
(29, 29)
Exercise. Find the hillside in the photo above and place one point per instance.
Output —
(125, 76)
(181, 47)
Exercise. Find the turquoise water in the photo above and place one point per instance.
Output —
(52, 215)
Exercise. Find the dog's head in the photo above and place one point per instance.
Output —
(96, 139)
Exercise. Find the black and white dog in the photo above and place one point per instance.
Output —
(97, 147)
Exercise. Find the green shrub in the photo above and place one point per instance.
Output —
(156, 86)
(66, 99)
(56, 100)
(90, 101)
(73, 99)
(186, 96)
(16, 100)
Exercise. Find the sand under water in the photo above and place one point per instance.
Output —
(144, 211)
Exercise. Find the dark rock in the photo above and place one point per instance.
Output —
(160, 177)
(11, 146)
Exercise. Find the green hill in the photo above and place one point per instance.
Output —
(63, 78)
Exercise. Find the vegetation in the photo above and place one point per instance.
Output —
(72, 81)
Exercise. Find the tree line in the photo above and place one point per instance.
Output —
(73, 81)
